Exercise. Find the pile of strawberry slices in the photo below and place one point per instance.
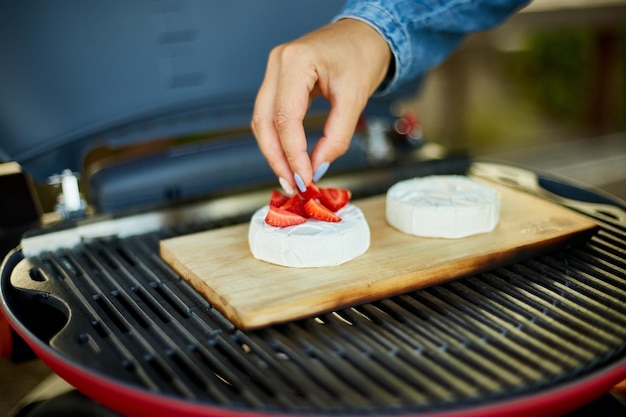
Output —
(314, 203)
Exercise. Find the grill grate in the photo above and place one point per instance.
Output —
(495, 335)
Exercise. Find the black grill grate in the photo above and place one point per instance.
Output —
(497, 335)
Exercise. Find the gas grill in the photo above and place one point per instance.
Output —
(93, 299)
(540, 336)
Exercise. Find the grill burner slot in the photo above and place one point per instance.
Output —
(493, 336)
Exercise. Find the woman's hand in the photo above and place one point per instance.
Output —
(344, 62)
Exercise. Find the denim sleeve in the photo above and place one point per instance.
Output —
(422, 33)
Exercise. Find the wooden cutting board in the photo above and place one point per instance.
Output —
(253, 293)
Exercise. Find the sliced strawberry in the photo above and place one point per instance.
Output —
(334, 198)
(311, 192)
(278, 199)
(295, 205)
(278, 217)
(316, 210)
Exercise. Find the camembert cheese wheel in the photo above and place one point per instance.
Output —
(442, 206)
(314, 243)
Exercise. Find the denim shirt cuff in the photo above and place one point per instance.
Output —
(398, 40)
(421, 34)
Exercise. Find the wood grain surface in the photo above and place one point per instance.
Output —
(252, 293)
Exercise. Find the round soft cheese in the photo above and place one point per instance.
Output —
(314, 243)
(444, 206)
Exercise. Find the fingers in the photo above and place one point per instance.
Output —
(279, 112)
(296, 88)
(263, 124)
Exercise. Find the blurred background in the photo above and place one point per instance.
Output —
(546, 90)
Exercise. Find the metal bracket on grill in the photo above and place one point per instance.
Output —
(71, 234)
(71, 205)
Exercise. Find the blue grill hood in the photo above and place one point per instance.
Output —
(78, 74)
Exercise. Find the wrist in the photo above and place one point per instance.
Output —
(372, 48)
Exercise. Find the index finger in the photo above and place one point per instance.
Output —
(263, 124)
(294, 92)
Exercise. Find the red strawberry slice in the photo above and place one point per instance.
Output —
(316, 210)
(295, 205)
(334, 198)
(278, 199)
(311, 192)
(278, 217)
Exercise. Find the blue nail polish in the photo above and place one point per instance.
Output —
(320, 171)
(299, 182)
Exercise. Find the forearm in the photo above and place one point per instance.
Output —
(422, 33)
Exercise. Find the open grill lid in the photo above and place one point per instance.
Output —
(114, 73)
(112, 310)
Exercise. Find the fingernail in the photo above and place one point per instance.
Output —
(299, 182)
(285, 186)
(320, 171)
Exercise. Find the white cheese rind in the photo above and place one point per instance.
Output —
(314, 243)
(442, 206)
